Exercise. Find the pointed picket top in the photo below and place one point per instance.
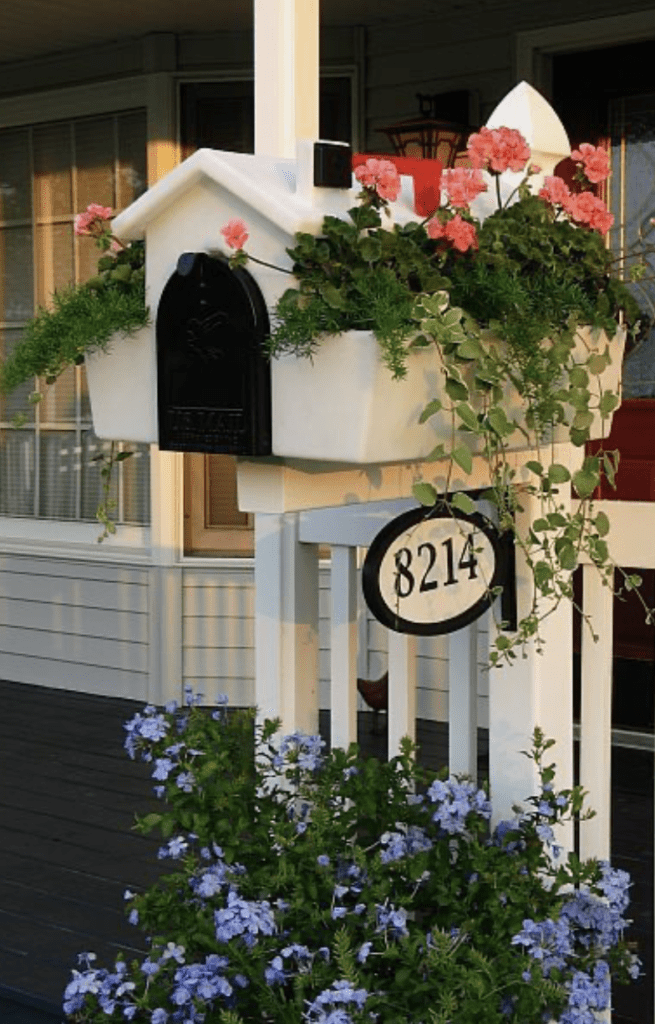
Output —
(527, 110)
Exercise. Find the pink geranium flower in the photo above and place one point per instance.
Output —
(462, 185)
(235, 233)
(555, 191)
(458, 232)
(586, 208)
(498, 150)
(92, 217)
(595, 162)
(381, 176)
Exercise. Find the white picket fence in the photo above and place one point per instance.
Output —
(345, 529)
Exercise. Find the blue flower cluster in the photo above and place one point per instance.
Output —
(404, 844)
(111, 989)
(248, 918)
(301, 751)
(455, 800)
(329, 1005)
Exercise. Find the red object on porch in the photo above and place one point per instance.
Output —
(633, 434)
(426, 175)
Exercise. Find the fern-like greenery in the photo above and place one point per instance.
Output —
(82, 318)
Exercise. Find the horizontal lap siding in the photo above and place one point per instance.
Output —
(218, 636)
(74, 625)
(218, 633)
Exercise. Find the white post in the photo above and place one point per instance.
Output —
(401, 716)
(596, 714)
(286, 624)
(286, 74)
(343, 646)
(463, 701)
(537, 689)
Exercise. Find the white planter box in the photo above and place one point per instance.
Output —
(344, 406)
(123, 388)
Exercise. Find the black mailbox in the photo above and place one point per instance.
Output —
(213, 377)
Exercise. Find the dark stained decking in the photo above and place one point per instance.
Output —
(68, 795)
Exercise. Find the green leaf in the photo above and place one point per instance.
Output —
(462, 501)
(556, 519)
(425, 493)
(566, 554)
(579, 437)
(370, 249)
(535, 467)
(583, 420)
(463, 457)
(610, 466)
(540, 525)
(585, 482)
(332, 296)
(598, 363)
(558, 474)
(456, 390)
(470, 348)
(499, 423)
(467, 415)
(431, 408)
(435, 304)
(602, 524)
(438, 452)
(608, 403)
(578, 377)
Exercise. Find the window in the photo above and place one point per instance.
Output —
(220, 115)
(48, 173)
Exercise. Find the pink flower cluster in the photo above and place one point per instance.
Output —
(381, 176)
(498, 150)
(462, 185)
(582, 207)
(595, 162)
(458, 232)
(235, 233)
(91, 218)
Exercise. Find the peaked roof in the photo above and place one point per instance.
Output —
(278, 189)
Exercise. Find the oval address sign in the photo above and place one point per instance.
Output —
(432, 572)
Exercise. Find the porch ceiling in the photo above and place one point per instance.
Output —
(32, 28)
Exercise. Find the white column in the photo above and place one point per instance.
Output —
(343, 646)
(463, 701)
(401, 716)
(286, 74)
(537, 689)
(596, 715)
(286, 623)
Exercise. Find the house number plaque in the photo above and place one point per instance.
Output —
(433, 572)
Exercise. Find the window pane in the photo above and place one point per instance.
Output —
(18, 400)
(54, 260)
(16, 282)
(58, 463)
(132, 174)
(92, 481)
(221, 509)
(52, 171)
(15, 191)
(136, 485)
(94, 153)
(17, 472)
(58, 403)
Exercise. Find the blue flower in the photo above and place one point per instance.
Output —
(323, 860)
(159, 1016)
(275, 973)
(248, 918)
(364, 951)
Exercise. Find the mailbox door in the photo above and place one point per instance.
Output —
(213, 375)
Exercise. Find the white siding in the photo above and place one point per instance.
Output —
(74, 625)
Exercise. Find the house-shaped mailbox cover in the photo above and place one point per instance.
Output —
(204, 370)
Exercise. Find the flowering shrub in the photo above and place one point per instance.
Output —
(316, 888)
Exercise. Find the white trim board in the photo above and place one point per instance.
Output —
(592, 33)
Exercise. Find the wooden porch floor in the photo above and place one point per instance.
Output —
(68, 794)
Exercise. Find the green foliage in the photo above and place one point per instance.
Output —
(356, 276)
(379, 888)
(82, 317)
